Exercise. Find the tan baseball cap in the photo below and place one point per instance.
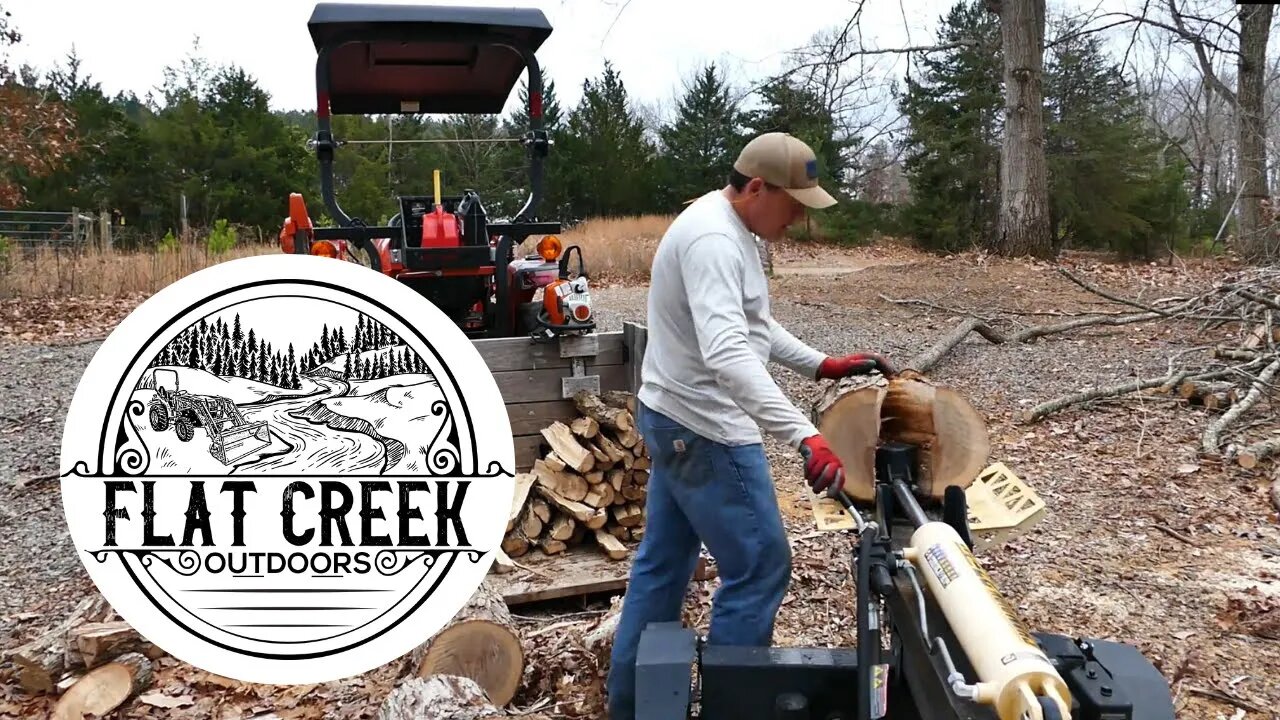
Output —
(788, 162)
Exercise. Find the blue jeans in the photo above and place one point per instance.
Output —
(701, 492)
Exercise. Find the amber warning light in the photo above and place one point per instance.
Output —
(549, 248)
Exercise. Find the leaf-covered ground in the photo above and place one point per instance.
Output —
(1144, 540)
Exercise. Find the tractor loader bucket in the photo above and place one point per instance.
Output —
(232, 445)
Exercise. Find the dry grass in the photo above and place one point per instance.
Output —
(50, 273)
(614, 249)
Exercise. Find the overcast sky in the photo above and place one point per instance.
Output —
(126, 44)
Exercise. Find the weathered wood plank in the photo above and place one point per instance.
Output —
(528, 449)
(511, 354)
(530, 386)
(530, 418)
(634, 339)
(579, 570)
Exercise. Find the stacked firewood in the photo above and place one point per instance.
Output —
(92, 660)
(589, 487)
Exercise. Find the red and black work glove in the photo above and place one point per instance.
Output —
(856, 364)
(822, 469)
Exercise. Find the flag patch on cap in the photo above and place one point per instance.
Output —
(811, 169)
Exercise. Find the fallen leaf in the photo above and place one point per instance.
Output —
(1187, 468)
(167, 701)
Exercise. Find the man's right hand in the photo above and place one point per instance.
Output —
(822, 469)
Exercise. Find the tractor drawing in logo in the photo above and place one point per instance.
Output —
(231, 437)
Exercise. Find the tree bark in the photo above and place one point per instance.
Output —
(1255, 242)
(439, 696)
(1024, 174)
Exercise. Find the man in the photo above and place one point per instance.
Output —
(705, 394)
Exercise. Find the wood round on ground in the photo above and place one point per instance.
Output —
(105, 688)
(481, 643)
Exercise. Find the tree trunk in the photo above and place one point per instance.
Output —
(1024, 174)
(858, 414)
(1255, 242)
(480, 643)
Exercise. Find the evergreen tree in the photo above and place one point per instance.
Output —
(954, 103)
(699, 146)
(607, 159)
(1109, 186)
(791, 108)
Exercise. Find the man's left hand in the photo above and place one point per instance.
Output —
(855, 364)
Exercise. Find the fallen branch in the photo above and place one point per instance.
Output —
(927, 359)
(1052, 406)
(1212, 434)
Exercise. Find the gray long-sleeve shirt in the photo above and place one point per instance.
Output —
(711, 337)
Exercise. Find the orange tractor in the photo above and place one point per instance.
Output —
(408, 59)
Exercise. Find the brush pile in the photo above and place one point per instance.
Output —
(1236, 374)
(589, 486)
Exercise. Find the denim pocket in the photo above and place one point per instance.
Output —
(683, 456)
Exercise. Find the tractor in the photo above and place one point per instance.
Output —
(411, 59)
(231, 437)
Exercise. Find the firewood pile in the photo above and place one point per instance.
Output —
(92, 660)
(589, 487)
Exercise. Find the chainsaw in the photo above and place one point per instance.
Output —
(936, 640)
(566, 302)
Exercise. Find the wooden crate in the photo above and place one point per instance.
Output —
(531, 377)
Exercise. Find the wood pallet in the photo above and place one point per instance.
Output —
(579, 570)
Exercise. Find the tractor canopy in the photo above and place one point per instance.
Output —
(394, 59)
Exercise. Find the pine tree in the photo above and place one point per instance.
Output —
(699, 146)
(794, 109)
(953, 103)
(607, 157)
(1109, 187)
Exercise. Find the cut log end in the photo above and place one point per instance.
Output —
(480, 643)
(105, 688)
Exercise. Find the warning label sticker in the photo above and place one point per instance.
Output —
(940, 564)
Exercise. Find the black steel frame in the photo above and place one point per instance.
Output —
(511, 234)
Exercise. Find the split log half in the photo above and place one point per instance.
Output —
(858, 414)
(92, 644)
(567, 485)
(550, 486)
(105, 688)
(567, 447)
(610, 544)
(480, 643)
(585, 427)
(524, 481)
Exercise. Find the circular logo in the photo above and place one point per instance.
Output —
(287, 469)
